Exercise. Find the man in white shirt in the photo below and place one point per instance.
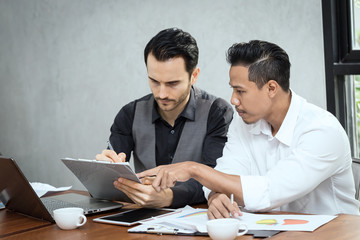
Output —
(282, 152)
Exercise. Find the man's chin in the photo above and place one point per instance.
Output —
(166, 108)
(248, 121)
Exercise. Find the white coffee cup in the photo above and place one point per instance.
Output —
(225, 228)
(69, 218)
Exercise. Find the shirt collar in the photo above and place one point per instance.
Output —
(260, 126)
(188, 112)
(286, 131)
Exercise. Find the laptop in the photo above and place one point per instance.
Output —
(17, 195)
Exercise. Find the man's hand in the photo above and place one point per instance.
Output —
(144, 194)
(110, 156)
(168, 175)
(220, 206)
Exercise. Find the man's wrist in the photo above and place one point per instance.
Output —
(169, 197)
(211, 197)
(193, 170)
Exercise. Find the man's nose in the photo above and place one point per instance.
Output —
(234, 101)
(163, 92)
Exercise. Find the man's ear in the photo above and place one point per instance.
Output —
(195, 75)
(273, 88)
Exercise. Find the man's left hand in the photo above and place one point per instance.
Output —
(144, 194)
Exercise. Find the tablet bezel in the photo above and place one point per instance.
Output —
(139, 220)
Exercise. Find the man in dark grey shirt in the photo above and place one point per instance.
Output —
(177, 122)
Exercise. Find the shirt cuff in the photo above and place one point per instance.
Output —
(182, 197)
(177, 199)
(206, 193)
(255, 193)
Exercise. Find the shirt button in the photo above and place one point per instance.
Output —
(171, 157)
(172, 131)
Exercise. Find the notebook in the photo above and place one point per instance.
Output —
(17, 195)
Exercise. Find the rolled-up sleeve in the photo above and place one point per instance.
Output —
(259, 188)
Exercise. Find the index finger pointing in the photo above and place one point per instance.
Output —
(148, 173)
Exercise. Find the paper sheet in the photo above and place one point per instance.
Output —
(195, 220)
(285, 222)
(42, 188)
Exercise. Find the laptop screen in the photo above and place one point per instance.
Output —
(16, 192)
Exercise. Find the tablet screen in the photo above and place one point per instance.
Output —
(133, 216)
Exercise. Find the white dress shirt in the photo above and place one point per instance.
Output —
(305, 167)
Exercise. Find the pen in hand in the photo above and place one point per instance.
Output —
(110, 146)
(121, 156)
(235, 215)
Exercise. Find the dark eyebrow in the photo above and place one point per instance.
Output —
(235, 86)
(152, 79)
(174, 81)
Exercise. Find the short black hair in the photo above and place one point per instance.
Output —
(266, 61)
(174, 42)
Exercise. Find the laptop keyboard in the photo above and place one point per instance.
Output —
(52, 204)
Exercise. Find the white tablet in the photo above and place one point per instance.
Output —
(134, 216)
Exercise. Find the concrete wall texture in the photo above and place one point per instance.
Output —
(67, 67)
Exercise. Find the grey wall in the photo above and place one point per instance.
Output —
(67, 67)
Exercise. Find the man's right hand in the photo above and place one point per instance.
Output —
(111, 156)
(220, 206)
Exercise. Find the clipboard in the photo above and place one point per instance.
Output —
(171, 225)
(98, 177)
(160, 230)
